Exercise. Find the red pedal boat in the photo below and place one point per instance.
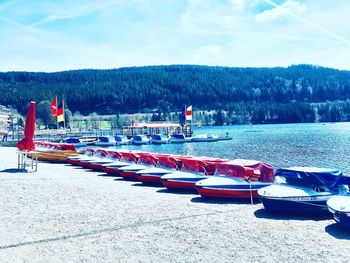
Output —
(237, 179)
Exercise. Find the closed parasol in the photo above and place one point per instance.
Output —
(27, 143)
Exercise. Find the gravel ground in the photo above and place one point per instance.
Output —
(67, 214)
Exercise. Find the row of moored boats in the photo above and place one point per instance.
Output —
(294, 189)
(144, 139)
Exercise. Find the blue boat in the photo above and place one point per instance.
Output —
(302, 189)
(105, 141)
(140, 139)
(339, 206)
(122, 140)
(76, 141)
(160, 139)
(179, 138)
(205, 138)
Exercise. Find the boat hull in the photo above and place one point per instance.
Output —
(160, 141)
(178, 184)
(84, 164)
(74, 162)
(113, 168)
(204, 139)
(96, 166)
(339, 206)
(227, 193)
(111, 171)
(225, 138)
(149, 178)
(182, 180)
(55, 156)
(141, 142)
(129, 175)
(229, 187)
(342, 218)
(152, 175)
(179, 140)
(295, 199)
(298, 204)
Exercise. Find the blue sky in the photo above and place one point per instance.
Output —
(56, 35)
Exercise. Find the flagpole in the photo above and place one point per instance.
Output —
(64, 122)
(184, 127)
(191, 121)
(56, 115)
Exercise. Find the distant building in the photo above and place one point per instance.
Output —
(4, 119)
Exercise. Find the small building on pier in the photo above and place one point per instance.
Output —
(156, 128)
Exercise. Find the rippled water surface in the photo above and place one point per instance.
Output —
(282, 145)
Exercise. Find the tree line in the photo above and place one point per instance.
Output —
(300, 93)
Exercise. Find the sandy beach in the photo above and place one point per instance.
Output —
(67, 214)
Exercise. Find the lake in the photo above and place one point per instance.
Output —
(282, 145)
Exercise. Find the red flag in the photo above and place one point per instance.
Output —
(54, 107)
(60, 115)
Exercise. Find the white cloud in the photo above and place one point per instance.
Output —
(294, 14)
(280, 11)
(77, 11)
(239, 4)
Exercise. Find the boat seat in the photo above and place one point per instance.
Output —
(321, 188)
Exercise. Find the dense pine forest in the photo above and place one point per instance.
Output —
(301, 93)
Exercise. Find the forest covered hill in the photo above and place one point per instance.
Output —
(301, 93)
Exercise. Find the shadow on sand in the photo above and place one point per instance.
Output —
(178, 191)
(213, 200)
(155, 185)
(119, 178)
(107, 175)
(338, 231)
(14, 170)
(79, 168)
(92, 171)
(276, 215)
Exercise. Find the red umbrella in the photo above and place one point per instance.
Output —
(27, 143)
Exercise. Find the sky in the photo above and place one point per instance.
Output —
(57, 35)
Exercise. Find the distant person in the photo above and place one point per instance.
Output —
(4, 136)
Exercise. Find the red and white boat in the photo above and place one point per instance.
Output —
(75, 160)
(126, 158)
(146, 160)
(237, 179)
(192, 171)
(99, 154)
(166, 164)
(97, 165)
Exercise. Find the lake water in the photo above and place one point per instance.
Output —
(282, 145)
